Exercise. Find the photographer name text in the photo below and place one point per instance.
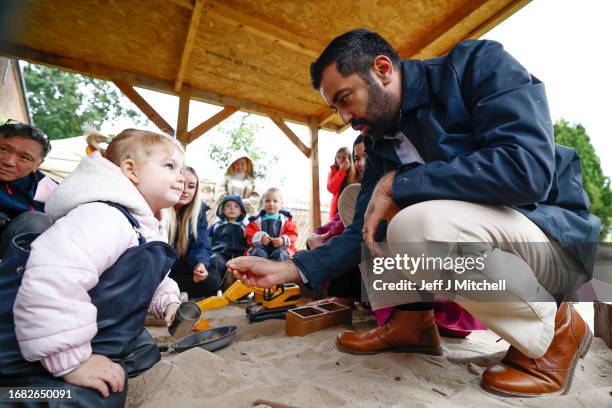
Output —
(441, 284)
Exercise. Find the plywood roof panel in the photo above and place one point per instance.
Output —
(252, 54)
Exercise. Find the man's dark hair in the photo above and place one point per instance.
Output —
(353, 52)
(358, 139)
(12, 128)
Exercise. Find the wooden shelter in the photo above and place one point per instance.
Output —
(13, 102)
(249, 55)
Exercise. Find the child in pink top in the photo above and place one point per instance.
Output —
(90, 278)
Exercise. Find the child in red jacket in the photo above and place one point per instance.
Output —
(271, 234)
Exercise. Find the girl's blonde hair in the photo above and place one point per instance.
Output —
(134, 144)
(185, 219)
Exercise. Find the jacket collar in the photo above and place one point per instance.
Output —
(27, 182)
(415, 91)
(414, 85)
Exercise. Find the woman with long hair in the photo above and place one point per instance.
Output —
(187, 233)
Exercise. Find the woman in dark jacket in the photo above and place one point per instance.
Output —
(187, 228)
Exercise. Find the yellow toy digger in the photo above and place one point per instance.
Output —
(270, 303)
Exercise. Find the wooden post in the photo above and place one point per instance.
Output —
(603, 321)
(315, 199)
(183, 113)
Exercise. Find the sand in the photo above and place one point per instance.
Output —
(264, 364)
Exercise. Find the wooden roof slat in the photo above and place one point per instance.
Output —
(264, 29)
(191, 34)
(494, 20)
(495, 12)
(327, 119)
(210, 74)
(188, 4)
(210, 123)
(251, 54)
(113, 74)
(410, 48)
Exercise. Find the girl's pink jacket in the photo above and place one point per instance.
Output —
(55, 320)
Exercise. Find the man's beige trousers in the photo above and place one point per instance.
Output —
(526, 324)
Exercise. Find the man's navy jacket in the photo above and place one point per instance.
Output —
(482, 125)
(17, 196)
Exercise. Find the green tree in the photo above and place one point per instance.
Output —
(63, 103)
(596, 184)
(239, 134)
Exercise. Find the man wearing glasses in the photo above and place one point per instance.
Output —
(22, 150)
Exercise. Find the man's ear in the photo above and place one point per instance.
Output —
(129, 168)
(40, 162)
(383, 69)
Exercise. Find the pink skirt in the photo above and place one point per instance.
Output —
(452, 319)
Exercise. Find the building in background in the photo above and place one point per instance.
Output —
(13, 102)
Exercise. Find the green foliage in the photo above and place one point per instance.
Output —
(63, 103)
(239, 134)
(596, 184)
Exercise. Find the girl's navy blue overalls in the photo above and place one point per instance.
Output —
(122, 297)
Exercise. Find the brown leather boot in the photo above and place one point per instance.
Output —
(520, 376)
(406, 331)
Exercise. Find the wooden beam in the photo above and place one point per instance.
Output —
(409, 49)
(327, 119)
(342, 128)
(144, 106)
(264, 29)
(142, 81)
(191, 35)
(315, 199)
(183, 113)
(498, 18)
(252, 107)
(210, 123)
(188, 4)
(290, 135)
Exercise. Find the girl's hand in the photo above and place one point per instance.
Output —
(99, 373)
(170, 313)
(277, 242)
(266, 239)
(345, 165)
(199, 273)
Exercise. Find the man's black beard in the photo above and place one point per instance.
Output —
(381, 111)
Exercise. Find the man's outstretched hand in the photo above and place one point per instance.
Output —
(381, 207)
(263, 273)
